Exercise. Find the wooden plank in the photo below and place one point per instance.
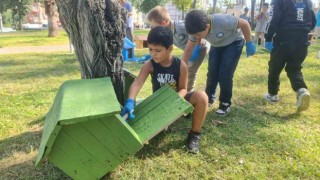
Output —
(157, 112)
(47, 140)
(125, 134)
(73, 159)
(145, 104)
(59, 157)
(100, 155)
(108, 140)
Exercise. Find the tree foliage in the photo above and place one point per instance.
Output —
(146, 5)
(15, 5)
(182, 5)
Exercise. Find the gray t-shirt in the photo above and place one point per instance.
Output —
(180, 35)
(223, 30)
(262, 22)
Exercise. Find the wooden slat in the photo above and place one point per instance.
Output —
(108, 140)
(125, 134)
(73, 158)
(100, 155)
(158, 113)
(151, 102)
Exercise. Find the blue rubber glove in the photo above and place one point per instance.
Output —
(195, 53)
(251, 48)
(128, 109)
(268, 46)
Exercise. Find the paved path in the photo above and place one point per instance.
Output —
(34, 49)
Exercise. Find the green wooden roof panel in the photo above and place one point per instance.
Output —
(157, 112)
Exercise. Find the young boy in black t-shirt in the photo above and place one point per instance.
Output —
(166, 69)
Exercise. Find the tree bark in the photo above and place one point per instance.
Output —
(96, 29)
(49, 6)
(253, 5)
(194, 4)
(214, 6)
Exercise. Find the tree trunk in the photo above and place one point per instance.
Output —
(261, 4)
(96, 29)
(214, 5)
(253, 5)
(49, 6)
(194, 4)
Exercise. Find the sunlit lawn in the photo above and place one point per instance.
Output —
(259, 140)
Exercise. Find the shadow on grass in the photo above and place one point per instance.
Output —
(42, 72)
(18, 150)
(39, 121)
(14, 60)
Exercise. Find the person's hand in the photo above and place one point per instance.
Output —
(195, 53)
(128, 109)
(251, 48)
(268, 45)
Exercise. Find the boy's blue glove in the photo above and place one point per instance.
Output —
(128, 109)
(251, 48)
(268, 46)
(195, 53)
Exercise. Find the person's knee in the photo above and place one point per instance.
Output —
(200, 97)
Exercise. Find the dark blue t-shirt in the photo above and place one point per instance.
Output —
(165, 75)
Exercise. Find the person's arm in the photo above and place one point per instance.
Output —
(130, 12)
(256, 17)
(245, 28)
(139, 81)
(182, 86)
(275, 17)
(188, 51)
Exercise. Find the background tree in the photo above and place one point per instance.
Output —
(261, 4)
(182, 5)
(96, 29)
(253, 6)
(147, 5)
(19, 9)
(50, 10)
(194, 4)
(214, 6)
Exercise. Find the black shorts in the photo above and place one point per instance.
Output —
(187, 97)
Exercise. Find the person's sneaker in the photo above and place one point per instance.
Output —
(223, 110)
(303, 99)
(271, 98)
(193, 142)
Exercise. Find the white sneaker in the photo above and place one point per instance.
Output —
(303, 99)
(271, 98)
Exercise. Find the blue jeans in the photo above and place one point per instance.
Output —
(223, 62)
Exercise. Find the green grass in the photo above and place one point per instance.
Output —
(40, 38)
(32, 38)
(259, 140)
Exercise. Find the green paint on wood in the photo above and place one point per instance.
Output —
(85, 136)
(129, 78)
(77, 101)
(157, 112)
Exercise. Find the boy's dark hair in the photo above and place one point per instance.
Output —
(160, 35)
(196, 21)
